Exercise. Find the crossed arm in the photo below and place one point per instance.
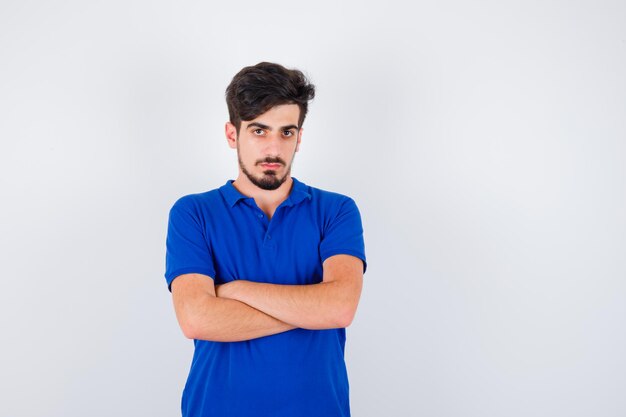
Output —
(243, 310)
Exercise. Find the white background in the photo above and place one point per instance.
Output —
(484, 143)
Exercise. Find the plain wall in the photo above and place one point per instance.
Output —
(484, 143)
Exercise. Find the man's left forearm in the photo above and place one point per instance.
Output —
(326, 305)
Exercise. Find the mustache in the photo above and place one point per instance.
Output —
(270, 160)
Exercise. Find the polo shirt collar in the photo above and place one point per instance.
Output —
(297, 195)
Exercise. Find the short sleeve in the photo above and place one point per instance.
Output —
(187, 250)
(344, 234)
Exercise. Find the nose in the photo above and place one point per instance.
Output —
(272, 144)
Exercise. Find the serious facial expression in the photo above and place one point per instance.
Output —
(266, 146)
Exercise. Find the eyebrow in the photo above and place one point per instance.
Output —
(262, 126)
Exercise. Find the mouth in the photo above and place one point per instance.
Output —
(270, 166)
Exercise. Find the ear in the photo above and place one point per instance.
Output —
(299, 139)
(231, 134)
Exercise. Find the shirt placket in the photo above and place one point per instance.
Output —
(267, 225)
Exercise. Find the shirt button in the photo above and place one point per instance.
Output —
(260, 216)
(269, 237)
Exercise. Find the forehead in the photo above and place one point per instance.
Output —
(277, 116)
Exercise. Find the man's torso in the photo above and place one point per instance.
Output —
(296, 373)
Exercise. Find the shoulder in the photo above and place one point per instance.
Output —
(197, 203)
(326, 198)
(330, 206)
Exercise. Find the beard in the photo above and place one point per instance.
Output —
(269, 180)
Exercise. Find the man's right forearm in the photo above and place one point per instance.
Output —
(226, 320)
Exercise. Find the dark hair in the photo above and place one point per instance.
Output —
(256, 89)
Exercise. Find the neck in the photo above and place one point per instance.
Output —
(267, 200)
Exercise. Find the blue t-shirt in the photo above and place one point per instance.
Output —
(225, 235)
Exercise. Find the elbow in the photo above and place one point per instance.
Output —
(343, 323)
(192, 326)
(345, 318)
(201, 331)
(336, 320)
(192, 320)
(196, 333)
(189, 330)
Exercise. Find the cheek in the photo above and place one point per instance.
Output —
(246, 149)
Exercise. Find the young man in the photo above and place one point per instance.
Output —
(266, 271)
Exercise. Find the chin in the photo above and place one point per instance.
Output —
(270, 182)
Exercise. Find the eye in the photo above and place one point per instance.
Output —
(288, 133)
(258, 132)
